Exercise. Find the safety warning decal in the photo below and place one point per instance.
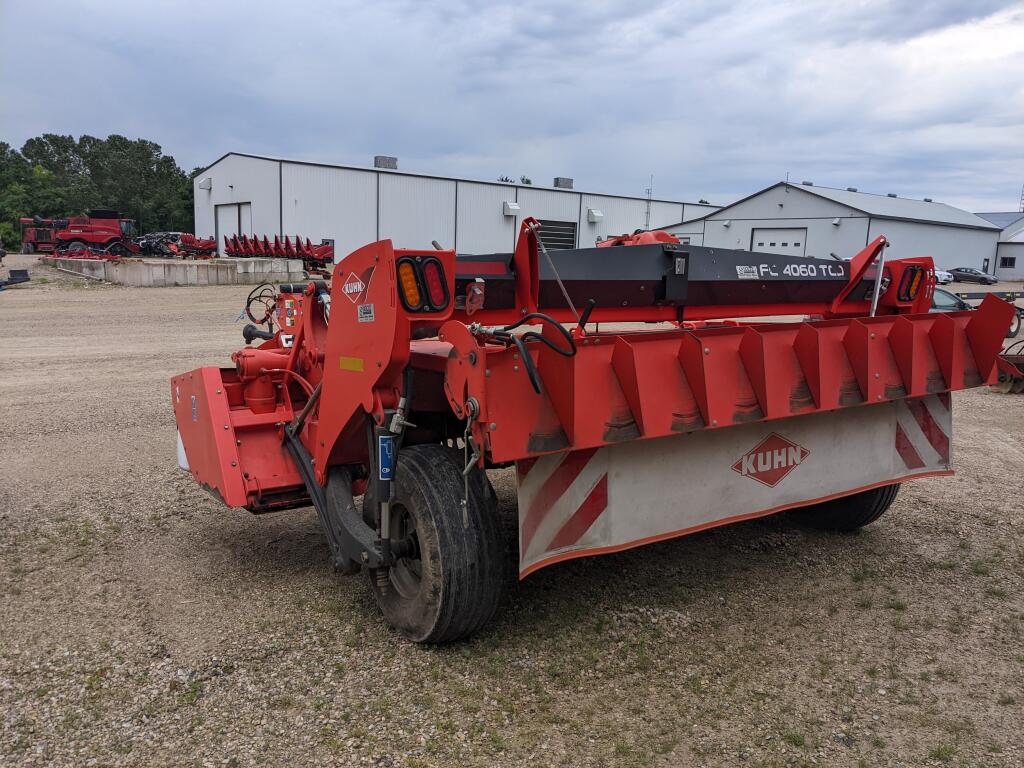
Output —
(365, 313)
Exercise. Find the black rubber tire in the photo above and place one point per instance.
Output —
(460, 577)
(74, 246)
(1014, 327)
(848, 513)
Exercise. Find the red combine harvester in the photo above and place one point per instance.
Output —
(39, 235)
(414, 371)
(98, 231)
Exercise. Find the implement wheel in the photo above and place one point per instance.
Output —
(451, 584)
(848, 513)
(1014, 327)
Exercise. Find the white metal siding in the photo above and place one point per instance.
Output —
(482, 226)
(823, 237)
(693, 210)
(547, 204)
(415, 210)
(355, 206)
(791, 241)
(238, 179)
(619, 217)
(665, 213)
(330, 203)
(1012, 251)
(948, 246)
(784, 202)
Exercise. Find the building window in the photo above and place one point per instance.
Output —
(760, 245)
(796, 244)
(771, 245)
(1007, 262)
(557, 235)
(684, 241)
(785, 245)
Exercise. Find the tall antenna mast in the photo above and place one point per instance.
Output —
(1022, 198)
(650, 194)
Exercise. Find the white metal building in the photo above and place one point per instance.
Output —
(1010, 250)
(805, 220)
(249, 194)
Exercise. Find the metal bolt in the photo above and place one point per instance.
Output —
(487, 372)
(714, 422)
(707, 350)
(218, 391)
(515, 367)
(872, 335)
(234, 463)
(472, 357)
(878, 375)
(226, 427)
(878, 397)
(493, 426)
(238, 442)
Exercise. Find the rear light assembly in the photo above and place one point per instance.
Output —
(437, 290)
(422, 284)
(411, 296)
(910, 283)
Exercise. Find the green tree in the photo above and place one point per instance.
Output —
(58, 176)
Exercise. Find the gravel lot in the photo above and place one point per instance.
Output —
(141, 623)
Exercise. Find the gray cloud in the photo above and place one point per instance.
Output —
(715, 99)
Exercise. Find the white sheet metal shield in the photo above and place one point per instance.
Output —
(620, 496)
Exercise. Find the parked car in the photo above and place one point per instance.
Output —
(944, 301)
(943, 277)
(972, 275)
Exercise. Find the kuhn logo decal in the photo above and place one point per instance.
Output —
(771, 460)
(355, 285)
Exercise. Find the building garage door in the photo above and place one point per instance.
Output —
(232, 219)
(787, 242)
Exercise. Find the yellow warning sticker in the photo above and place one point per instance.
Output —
(351, 364)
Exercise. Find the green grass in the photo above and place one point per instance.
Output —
(942, 752)
(794, 738)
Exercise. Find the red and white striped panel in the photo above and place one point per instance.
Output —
(923, 431)
(623, 495)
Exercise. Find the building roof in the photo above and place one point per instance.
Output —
(442, 178)
(879, 206)
(1001, 219)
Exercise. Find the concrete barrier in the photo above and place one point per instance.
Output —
(159, 273)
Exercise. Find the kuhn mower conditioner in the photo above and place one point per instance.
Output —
(413, 371)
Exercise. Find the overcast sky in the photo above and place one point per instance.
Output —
(716, 99)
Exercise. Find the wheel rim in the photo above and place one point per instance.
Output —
(407, 573)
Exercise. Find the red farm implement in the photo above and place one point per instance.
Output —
(317, 258)
(616, 381)
(1010, 363)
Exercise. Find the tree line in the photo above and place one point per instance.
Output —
(58, 176)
